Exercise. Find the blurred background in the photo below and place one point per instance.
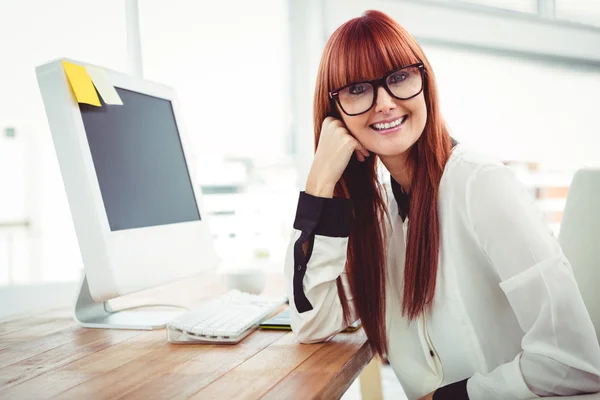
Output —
(519, 79)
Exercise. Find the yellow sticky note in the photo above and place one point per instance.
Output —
(81, 83)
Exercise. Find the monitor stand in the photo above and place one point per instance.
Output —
(91, 314)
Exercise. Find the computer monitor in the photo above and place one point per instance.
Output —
(129, 179)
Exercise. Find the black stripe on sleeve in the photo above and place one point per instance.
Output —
(453, 391)
(320, 216)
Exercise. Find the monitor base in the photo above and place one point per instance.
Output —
(91, 314)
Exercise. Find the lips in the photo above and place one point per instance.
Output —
(389, 124)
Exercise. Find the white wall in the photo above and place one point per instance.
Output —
(519, 109)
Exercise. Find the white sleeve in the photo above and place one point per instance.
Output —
(326, 264)
(315, 308)
(560, 352)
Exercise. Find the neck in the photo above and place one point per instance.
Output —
(397, 165)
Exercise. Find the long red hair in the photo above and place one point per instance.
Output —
(365, 48)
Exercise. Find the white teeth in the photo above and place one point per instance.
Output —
(389, 125)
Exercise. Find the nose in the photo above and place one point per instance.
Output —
(385, 103)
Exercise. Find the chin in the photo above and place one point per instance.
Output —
(393, 148)
(392, 152)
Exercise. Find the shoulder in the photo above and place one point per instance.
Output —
(465, 165)
(464, 162)
(483, 186)
(469, 173)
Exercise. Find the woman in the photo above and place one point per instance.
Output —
(456, 278)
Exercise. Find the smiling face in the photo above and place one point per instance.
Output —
(391, 126)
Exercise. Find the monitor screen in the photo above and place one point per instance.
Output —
(139, 162)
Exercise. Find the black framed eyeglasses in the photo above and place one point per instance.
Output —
(359, 97)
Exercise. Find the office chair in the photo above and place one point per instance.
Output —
(579, 237)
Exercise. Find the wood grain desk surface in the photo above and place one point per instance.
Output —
(49, 356)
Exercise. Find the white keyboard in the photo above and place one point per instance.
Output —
(227, 319)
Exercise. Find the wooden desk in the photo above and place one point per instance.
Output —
(49, 356)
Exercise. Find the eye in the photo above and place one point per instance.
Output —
(357, 89)
(398, 77)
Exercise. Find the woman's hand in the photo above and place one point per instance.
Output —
(335, 148)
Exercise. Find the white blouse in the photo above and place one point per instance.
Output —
(507, 311)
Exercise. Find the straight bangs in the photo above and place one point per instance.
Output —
(367, 49)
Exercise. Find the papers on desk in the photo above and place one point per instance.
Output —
(282, 321)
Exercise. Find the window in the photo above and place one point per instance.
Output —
(527, 6)
(537, 117)
(35, 32)
(583, 11)
(229, 63)
(518, 108)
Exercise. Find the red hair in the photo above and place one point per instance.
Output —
(366, 48)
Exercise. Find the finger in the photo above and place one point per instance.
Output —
(334, 124)
(329, 122)
(362, 149)
(359, 156)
